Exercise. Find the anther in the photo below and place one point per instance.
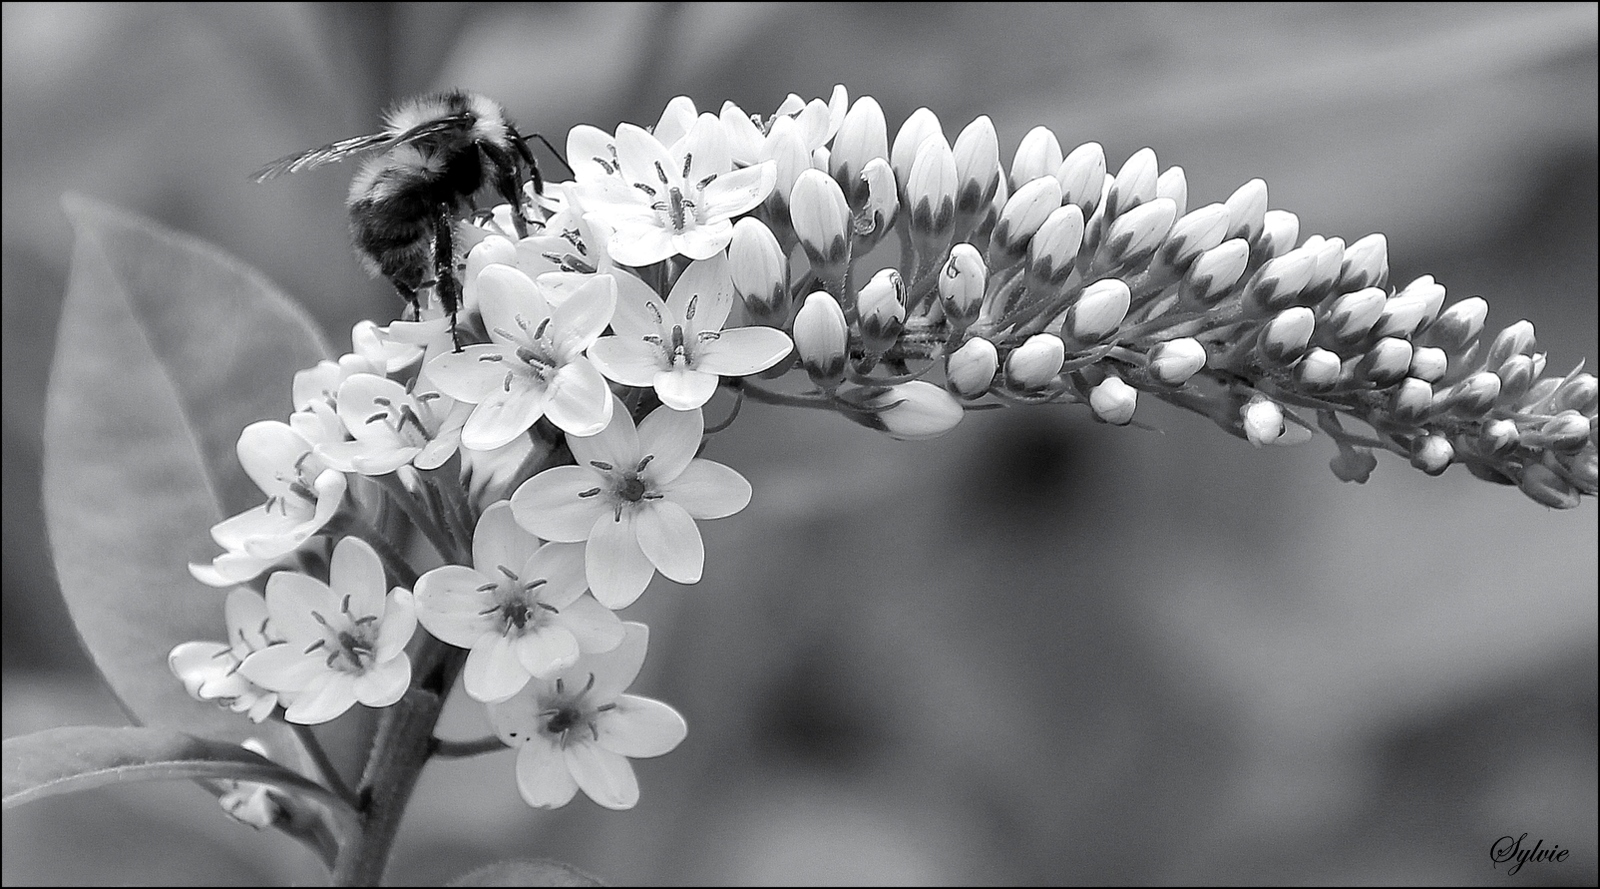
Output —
(589, 493)
(507, 572)
(602, 465)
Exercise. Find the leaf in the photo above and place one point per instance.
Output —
(167, 348)
(66, 760)
(526, 872)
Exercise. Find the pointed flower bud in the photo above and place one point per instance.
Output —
(1566, 432)
(821, 338)
(1280, 231)
(787, 150)
(1432, 454)
(1135, 183)
(883, 310)
(1035, 364)
(931, 191)
(1193, 234)
(1583, 470)
(1411, 401)
(1472, 396)
(909, 411)
(1262, 420)
(1429, 365)
(1517, 339)
(961, 284)
(1386, 363)
(919, 126)
(1173, 185)
(1213, 275)
(821, 218)
(1027, 209)
(1098, 311)
(1082, 176)
(1411, 309)
(1279, 282)
(1054, 247)
(1330, 254)
(1318, 370)
(970, 370)
(1579, 392)
(760, 272)
(1365, 264)
(1038, 154)
(1135, 235)
(1352, 316)
(977, 153)
(1499, 437)
(1247, 211)
(882, 203)
(1457, 326)
(1114, 401)
(1543, 485)
(1173, 362)
(1285, 338)
(1516, 377)
(862, 138)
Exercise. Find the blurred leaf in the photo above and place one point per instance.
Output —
(83, 757)
(167, 348)
(526, 872)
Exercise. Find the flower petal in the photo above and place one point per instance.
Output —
(510, 302)
(245, 612)
(596, 627)
(639, 310)
(549, 504)
(703, 295)
(734, 193)
(492, 671)
(356, 573)
(704, 240)
(644, 159)
(708, 490)
(638, 242)
(617, 444)
(292, 597)
(560, 566)
(498, 541)
(450, 605)
(543, 776)
(584, 314)
(743, 350)
(268, 450)
(471, 374)
(606, 777)
(546, 651)
(613, 670)
(384, 683)
(682, 389)
(504, 414)
(327, 697)
(618, 570)
(672, 437)
(283, 668)
(580, 402)
(591, 152)
(629, 361)
(640, 727)
(671, 541)
(398, 625)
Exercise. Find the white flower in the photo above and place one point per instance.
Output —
(344, 641)
(535, 365)
(209, 671)
(816, 122)
(393, 427)
(633, 496)
(521, 609)
(577, 730)
(679, 347)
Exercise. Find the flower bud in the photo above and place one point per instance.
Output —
(1098, 311)
(1579, 392)
(862, 137)
(821, 218)
(907, 411)
(1516, 377)
(1082, 176)
(1026, 210)
(1429, 364)
(1353, 464)
(1566, 432)
(1411, 401)
(1517, 339)
(970, 370)
(1213, 275)
(1135, 184)
(1352, 316)
(1543, 485)
(1583, 470)
(1114, 401)
(1365, 264)
(1262, 419)
(1135, 235)
(961, 284)
(1173, 362)
(1329, 253)
(1432, 454)
(931, 192)
(977, 153)
(1280, 230)
(787, 150)
(1411, 309)
(1499, 437)
(1284, 339)
(1035, 363)
(1457, 326)
(1193, 234)
(883, 311)
(1472, 396)
(1386, 363)
(1173, 185)
(882, 203)
(821, 338)
(1054, 247)
(918, 127)
(1247, 210)
(1039, 154)
(1278, 283)
(1318, 370)
(760, 272)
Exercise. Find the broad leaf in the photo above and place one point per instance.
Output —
(66, 760)
(167, 348)
(526, 872)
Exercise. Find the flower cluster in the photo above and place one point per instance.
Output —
(546, 448)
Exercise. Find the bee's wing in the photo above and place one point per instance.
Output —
(327, 154)
(431, 127)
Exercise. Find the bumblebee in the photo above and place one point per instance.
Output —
(438, 151)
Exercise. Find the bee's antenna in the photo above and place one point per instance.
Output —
(556, 154)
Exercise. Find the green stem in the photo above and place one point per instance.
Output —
(326, 770)
(461, 749)
(430, 529)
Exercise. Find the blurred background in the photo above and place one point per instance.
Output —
(1039, 650)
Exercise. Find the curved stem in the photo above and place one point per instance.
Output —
(430, 529)
(460, 749)
(326, 770)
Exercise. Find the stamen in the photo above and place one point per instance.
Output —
(645, 462)
(543, 326)
(344, 606)
(655, 310)
(645, 188)
(688, 159)
(507, 382)
(560, 688)
(377, 417)
(488, 587)
(688, 312)
(589, 493)
(320, 619)
(661, 174)
(315, 645)
(701, 185)
(366, 619)
(535, 583)
(548, 607)
(604, 707)
(602, 466)
(590, 686)
(383, 400)
(507, 572)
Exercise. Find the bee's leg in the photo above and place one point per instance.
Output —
(506, 183)
(444, 272)
(409, 294)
